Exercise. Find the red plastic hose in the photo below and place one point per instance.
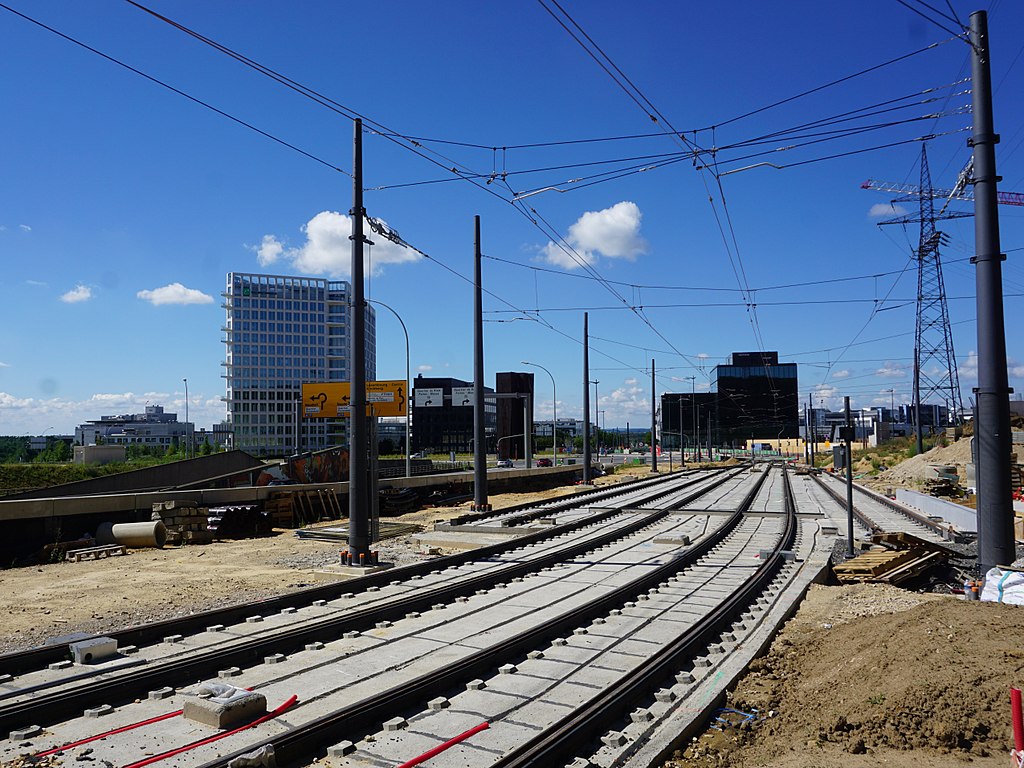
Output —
(442, 747)
(1018, 719)
(122, 729)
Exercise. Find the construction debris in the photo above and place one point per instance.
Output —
(95, 553)
(186, 522)
(897, 558)
(245, 521)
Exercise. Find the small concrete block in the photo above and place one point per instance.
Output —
(641, 716)
(629, 604)
(665, 696)
(319, 603)
(254, 620)
(128, 650)
(412, 615)
(384, 624)
(728, 637)
(535, 655)
(174, 638)
(581, 762)
(93, 650)
(508, 669)
(350, 635)
(580, 631)
(317, 646)
(461, 599)
(60, 665)
(615, 612)
(25, 733)
(341, 749)
(229, 672)
(439, 703)
(517, 579)
(559, 641)
(161, 693)
(476, 685)
(274, 658)
(599, 620)
(685, 678)
(100, 711)
(289, 609)
(373, 589)
(6, 678)
(396, 724)
(437, 606)
(702, 661)
(215, 628)
(481, 591)
(614, 739)
(715, 648)
(233, 708)
(347, 595)
(643, 597)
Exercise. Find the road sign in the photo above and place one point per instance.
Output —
(333, 399)
(429, 397)
(462, 396)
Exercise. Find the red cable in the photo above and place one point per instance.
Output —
(1017, 715)
(210, 739)
(114, 732)
(442, 747)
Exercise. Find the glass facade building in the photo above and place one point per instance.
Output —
(281, 332)
(757, 398)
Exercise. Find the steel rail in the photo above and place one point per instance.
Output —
(53, 705)
(556, 745)
(34, 658)
(870, 524)
(311, 738)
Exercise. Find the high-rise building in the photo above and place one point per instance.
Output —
(515, 414)
(757, 398)
(282, 332)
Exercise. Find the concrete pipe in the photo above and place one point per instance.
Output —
(151, 533)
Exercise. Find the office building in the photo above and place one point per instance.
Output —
(441, 425)
(757, 398)
(282, 332)
(153, 429)
(515, 413)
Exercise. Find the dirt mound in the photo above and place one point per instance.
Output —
(849, 677)
(914, 471)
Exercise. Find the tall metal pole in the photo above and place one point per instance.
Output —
(654, 423)
(682, 450)
(995, 502)
(849, 479)
(554, 412)
(186, 420)
(479, 437)
(358, 501)
(597, 425)
(586, 401)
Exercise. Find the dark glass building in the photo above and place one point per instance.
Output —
(757, 398)
(513, 418)
(448, 426)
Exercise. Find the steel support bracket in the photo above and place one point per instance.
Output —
(976, 259)
(983, 138)
(992, 391)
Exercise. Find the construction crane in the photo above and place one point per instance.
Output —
(962, 191)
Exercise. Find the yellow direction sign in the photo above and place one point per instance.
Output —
(333, 399)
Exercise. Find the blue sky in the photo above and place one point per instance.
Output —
(125, 204)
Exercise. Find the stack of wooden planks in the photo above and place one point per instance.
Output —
(896, 558)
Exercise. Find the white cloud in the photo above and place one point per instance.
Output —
(174, 293)
(25, 227)
(891, 371)
(77, 294)
(843, 374)
(36, 283)
(969, 368)
(328, 250)
(5, 365)
(880, 210)
(613, 233)
(424, 368)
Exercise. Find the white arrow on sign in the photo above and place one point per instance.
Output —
(462, 395)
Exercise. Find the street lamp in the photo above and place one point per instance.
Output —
(408, 408)
(597, 438)
(693, 404)
(554, 413)
(187, 436)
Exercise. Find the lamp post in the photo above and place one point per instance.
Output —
(187, 430)
(597, 438)
(408, 409)
(554, 413)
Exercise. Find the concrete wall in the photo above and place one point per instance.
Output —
(963, 518)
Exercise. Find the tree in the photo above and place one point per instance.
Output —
(207, 449)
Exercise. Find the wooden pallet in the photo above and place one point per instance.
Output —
(873, 564)
(95, 553)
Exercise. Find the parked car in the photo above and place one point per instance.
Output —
(505, 464)
(544, 462)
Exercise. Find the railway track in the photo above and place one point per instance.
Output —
(667, 568)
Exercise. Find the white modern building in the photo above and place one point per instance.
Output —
(153, 429)
(282, 332)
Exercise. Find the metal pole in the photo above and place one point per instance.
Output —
(654, 424)
(995, 503)
(597, 425)
(682, 450)
(408, 409)
(358, 502)
(186, 418)
(849, 478)
(586, 401)
(527, 430)
(479, 437)
(554, 412)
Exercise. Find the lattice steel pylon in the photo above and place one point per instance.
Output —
(935, 370)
